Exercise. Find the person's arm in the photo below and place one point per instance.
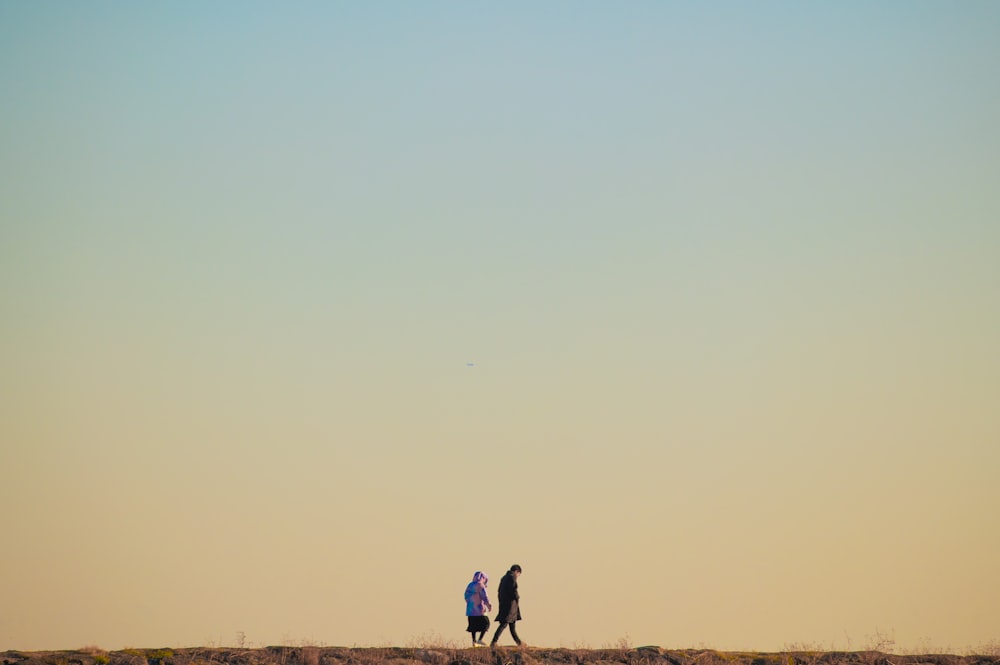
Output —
(505, 588)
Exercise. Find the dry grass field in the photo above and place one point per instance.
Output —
(437, 655)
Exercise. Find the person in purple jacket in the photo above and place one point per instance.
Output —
(477, 604)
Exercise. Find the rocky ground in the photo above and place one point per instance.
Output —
(647, 655)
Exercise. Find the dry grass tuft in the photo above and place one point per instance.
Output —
(990, 649)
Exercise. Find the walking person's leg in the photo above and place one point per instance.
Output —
(513, 633)
(478, 625)
(496, 636)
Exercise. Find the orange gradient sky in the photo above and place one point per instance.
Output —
(308, 312)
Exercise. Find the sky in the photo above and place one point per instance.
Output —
(310, 310)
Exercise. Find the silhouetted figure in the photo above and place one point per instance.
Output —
(510, 610)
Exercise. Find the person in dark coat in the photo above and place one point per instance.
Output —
(510, 610)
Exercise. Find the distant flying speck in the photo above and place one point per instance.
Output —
(470, 364)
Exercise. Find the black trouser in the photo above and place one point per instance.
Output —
(513, 632)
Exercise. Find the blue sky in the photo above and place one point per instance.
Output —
(728, 274)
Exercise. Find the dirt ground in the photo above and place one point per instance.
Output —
(647, 655)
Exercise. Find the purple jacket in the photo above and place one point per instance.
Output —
(477, 602)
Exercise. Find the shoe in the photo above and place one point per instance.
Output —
(478, 645)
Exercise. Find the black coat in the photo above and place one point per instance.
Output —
(509, 609)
